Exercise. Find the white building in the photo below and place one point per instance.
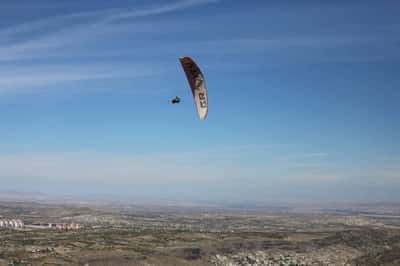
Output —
(11, 223)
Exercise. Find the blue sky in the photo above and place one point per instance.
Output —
(304, 99)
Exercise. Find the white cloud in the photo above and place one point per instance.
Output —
(314, 154)
(26, 79)
(159, 174)
(45, 38)
(217, 163)
(106, 15)
(212, 164)
(96, 167)
(81, 27)
(386, 174)
(159, 10)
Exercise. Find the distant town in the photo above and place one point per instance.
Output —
(19, 224)
(56, 234)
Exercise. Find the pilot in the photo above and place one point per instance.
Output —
(176, 100)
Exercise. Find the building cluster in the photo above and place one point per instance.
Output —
(260, 258)
(11, 223)
(42, 250)
(63, 226)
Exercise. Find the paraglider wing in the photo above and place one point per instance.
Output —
(197, 85)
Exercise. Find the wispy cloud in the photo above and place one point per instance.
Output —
(28, 78)
(314, 154)
(95, 167)
(166, 172)
(103, 16)
(159, 10)
(240, 162)
(314, 177)
(84, 26)
(305, 165)
(45, 38)
(386, 174)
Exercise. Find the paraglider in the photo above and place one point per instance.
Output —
(176, 100)
(197, 85)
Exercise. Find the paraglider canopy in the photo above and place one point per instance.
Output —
(197, 85)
